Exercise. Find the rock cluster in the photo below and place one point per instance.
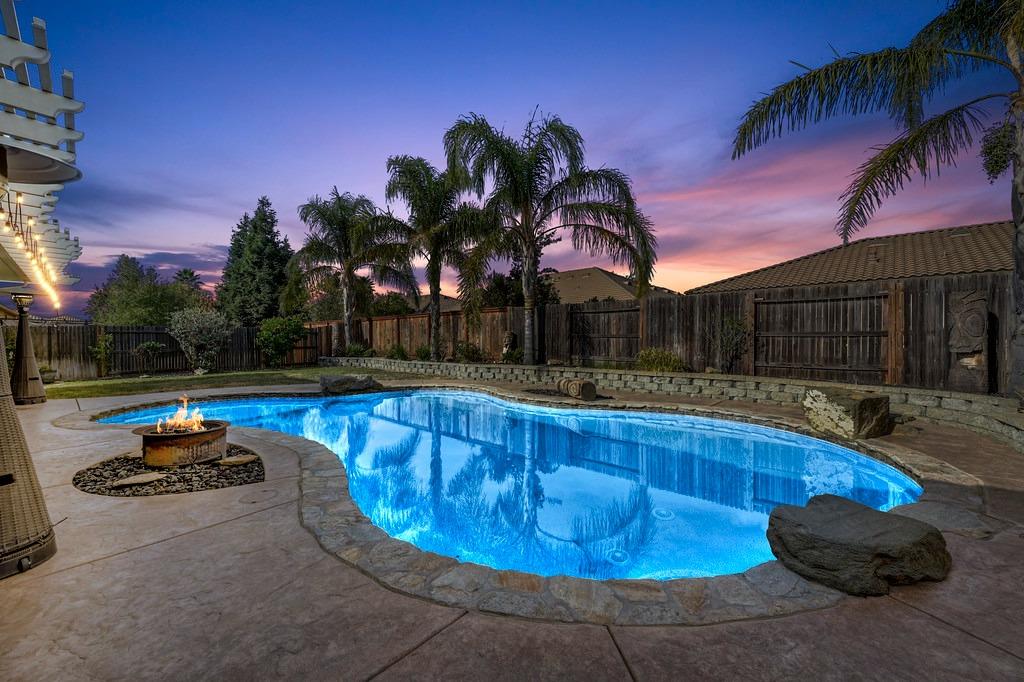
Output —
(128, 476)
(347, 383)
(848, 414)
(854, 548)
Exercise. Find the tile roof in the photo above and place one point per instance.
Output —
(586, 284)
(986, 247)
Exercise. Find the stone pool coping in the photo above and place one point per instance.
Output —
(953, 500)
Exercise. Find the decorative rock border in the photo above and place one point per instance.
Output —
(952, 500)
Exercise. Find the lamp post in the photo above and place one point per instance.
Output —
(26, 384)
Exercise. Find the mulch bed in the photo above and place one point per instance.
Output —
(99, 478)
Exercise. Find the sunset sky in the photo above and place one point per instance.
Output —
(195, 109)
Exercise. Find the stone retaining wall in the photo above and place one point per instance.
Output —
(989, 415)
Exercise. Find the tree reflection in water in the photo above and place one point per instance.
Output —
(489, 506)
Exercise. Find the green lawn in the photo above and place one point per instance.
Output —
(188, 382)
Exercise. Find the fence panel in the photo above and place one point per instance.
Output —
(604, 333)
(834, 336)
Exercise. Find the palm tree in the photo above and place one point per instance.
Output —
(188, 277)
(539, 188)
(344, 239)
(970, 36)
(441, 228)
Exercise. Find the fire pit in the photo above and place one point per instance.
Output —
(183, 439)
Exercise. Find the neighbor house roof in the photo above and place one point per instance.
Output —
(986, 247)
(586, 284)
(448, 304)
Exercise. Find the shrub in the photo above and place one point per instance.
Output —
(396, 352)
(147, 352)
(9, 345)
(201, 334)
(468, 352)
(102, 351)
(277, 336)
(659, 360)
(731, 339)
(358, 350)
(513, 357)
(423, 353)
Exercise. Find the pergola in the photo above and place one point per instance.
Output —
(37, 156)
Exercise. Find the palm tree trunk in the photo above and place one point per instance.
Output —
(346, 311)
(434, 275)
(530, 266)
(1015, 385)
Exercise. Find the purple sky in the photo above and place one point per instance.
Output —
(194, 109)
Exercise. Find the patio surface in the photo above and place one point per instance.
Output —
(226, 584)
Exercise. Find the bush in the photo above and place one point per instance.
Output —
(731, 339)
(358, 350)
(468, 352)
(201, 334)
(396, 352)
(659, 360)
(147, 352)
(9, 345)
(423, 353)
(102, 351)
(513, 357)
(277, 336)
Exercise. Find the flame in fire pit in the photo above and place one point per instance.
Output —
(182, 421)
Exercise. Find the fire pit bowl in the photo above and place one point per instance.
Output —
(175, 448)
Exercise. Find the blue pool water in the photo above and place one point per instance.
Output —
(587, 493)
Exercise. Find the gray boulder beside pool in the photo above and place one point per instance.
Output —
(854, 548)
(347, 383)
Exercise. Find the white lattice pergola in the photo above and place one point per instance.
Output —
(37, 156)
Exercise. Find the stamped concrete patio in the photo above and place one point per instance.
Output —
(227, 584)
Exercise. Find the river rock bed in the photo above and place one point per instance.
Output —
(100, 479)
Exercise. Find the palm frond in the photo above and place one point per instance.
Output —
(923, 150)
(892, 80)
(476, 150)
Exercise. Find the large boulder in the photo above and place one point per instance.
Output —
(852, 415)
(347, 383)
(854, 548)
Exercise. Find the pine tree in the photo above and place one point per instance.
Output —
(256, 269)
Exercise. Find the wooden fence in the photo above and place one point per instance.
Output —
(882, 332)
(66, 348)
(412, 332)
(895, 332)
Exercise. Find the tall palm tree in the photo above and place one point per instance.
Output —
(970, 36)
(188, 277)
(346, 237)
(539, 188)
(441, 228)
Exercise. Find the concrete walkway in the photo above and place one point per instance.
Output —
(226, 584)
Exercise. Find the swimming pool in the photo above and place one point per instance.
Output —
(585, 493)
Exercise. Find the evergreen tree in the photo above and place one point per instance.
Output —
(135, 295)
(256, 269)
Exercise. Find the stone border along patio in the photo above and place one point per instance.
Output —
(953, 501)
(988, 415)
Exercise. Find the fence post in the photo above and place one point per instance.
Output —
(896, 331)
